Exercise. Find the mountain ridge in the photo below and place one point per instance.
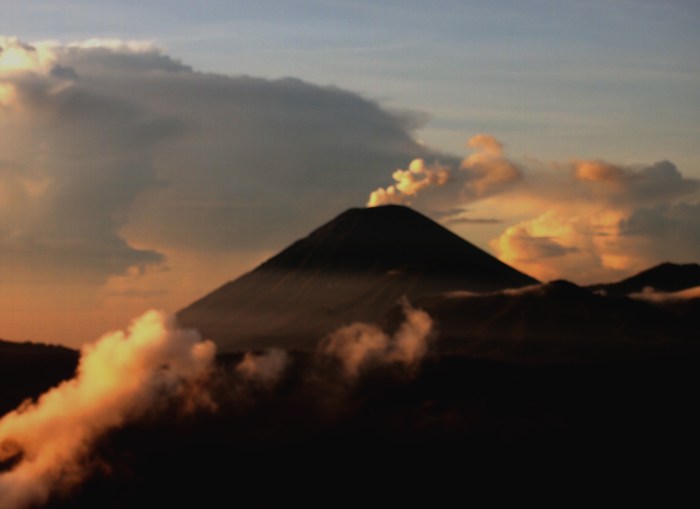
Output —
(665, 277)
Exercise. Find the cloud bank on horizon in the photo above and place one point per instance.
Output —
(116, 158)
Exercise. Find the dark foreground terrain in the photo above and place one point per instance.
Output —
(454, 428)
(29, 369)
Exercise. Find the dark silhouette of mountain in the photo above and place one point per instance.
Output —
(554, 323)
(28, 369)
(354, 268)
(666, 277)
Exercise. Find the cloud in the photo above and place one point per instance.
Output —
(264, 368)
(113, 153)
(602, 221)
(665, 231)
(409, 183)
(635, 185)
(411, 339)
(472, 220)
(517, 244)
(120, 377)
(488, 144)
(482, 173)
(489, 171)
(659, 297)
(587, 220)
(73, 160)
(360, 345)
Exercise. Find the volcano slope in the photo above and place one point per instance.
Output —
(354, 268)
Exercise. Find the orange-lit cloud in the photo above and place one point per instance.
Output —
(120, 377)
(487, 144)
(409, 183)
(488, 169)
(598, 171)
(587, 220)
(561, 242)
(484, 172)
(596, 221)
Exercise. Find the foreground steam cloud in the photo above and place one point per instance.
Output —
(125, 375)
(120, 377)
(360, 345)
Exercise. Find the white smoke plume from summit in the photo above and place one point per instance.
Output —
(484, 172)
(409, 183)
(120, 377)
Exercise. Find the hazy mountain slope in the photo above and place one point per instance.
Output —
(356, 267)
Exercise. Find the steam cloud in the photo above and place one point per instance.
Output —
(360, 345)
(409, 183)
(120, 377)
(124, 375)
(265, 368)
(482, 173)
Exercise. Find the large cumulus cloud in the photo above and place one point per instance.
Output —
(113, 152)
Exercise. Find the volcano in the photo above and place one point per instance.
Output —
(354, 268)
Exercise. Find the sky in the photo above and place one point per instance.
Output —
(151, 151)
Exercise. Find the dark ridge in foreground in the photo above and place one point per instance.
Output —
(458, 428)
(29, 369)
(666, 277)
(354, 268)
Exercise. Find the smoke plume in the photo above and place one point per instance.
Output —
(119, 378)
(484, 172)
(409, 183)
(362, 345)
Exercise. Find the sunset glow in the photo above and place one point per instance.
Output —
(142, 166)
